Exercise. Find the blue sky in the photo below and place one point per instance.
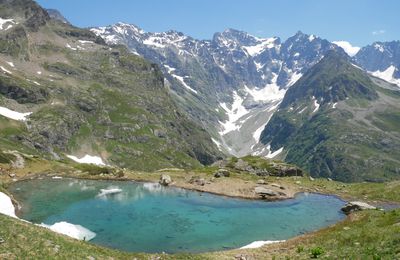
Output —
(358, 21)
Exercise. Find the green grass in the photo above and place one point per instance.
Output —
(26, 241)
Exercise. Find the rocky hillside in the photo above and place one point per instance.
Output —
(63, 91)
(337, 121)
(231, 84)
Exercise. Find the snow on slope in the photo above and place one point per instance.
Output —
(8, 22)
(13, 114)
(87, 159)
(347, 47)
(255, 50)
(387, 75)
(6, 206)
(234, 113)
(71, 230)
(257, 244)
(271, 92)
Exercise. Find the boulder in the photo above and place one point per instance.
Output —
(222, 173)
(261, 181)
(283, 170)
(356, 206)
(263, 192)
(165, 180)
(197, 181)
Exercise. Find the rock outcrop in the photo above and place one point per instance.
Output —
(165, 180)
(356, 206)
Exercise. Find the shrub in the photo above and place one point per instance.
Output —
(316, 252)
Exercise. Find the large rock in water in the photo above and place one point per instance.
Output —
(165, 180)
(356, 206)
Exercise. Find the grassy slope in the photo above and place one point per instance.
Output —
(353, 142)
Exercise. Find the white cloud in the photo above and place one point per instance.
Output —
(378, 32)
(347, 47)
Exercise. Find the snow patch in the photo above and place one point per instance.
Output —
(3, 22)
(257, 133)
(255, 50)
(234, 113)
(272, 155)
(294, 78)
(257, 244)
(334, 105)
(311, 37)
(87, 159)
(5, 70)
(71, 230)
(316, 105)
(85, 42)
(387, 75)
(13, 114)
(6, 206)
(69, 47)
(379, 47)
(270, 92)
(347, 47)
(218, 144)
(10, 63)
(109, 191)
(182, 81)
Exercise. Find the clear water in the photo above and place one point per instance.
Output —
(145, 217)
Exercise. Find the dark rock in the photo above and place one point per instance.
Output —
(222, 173)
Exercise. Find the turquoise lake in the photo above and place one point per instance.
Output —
(145, 217)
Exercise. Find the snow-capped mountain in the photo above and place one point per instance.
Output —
(381, 59)
(233, 83)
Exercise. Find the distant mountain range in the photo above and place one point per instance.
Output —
(233, 83)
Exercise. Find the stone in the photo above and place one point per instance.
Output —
(261, 182)
(283, 170)
(356, 206)
(263, 192)
(222, 173)
(197, 181)
(165, 180)
(242, 165)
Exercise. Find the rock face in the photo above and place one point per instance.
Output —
(165, 180)
(356, 206)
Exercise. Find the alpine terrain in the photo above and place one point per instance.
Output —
(65, 93)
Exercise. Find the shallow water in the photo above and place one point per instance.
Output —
(145, 217)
